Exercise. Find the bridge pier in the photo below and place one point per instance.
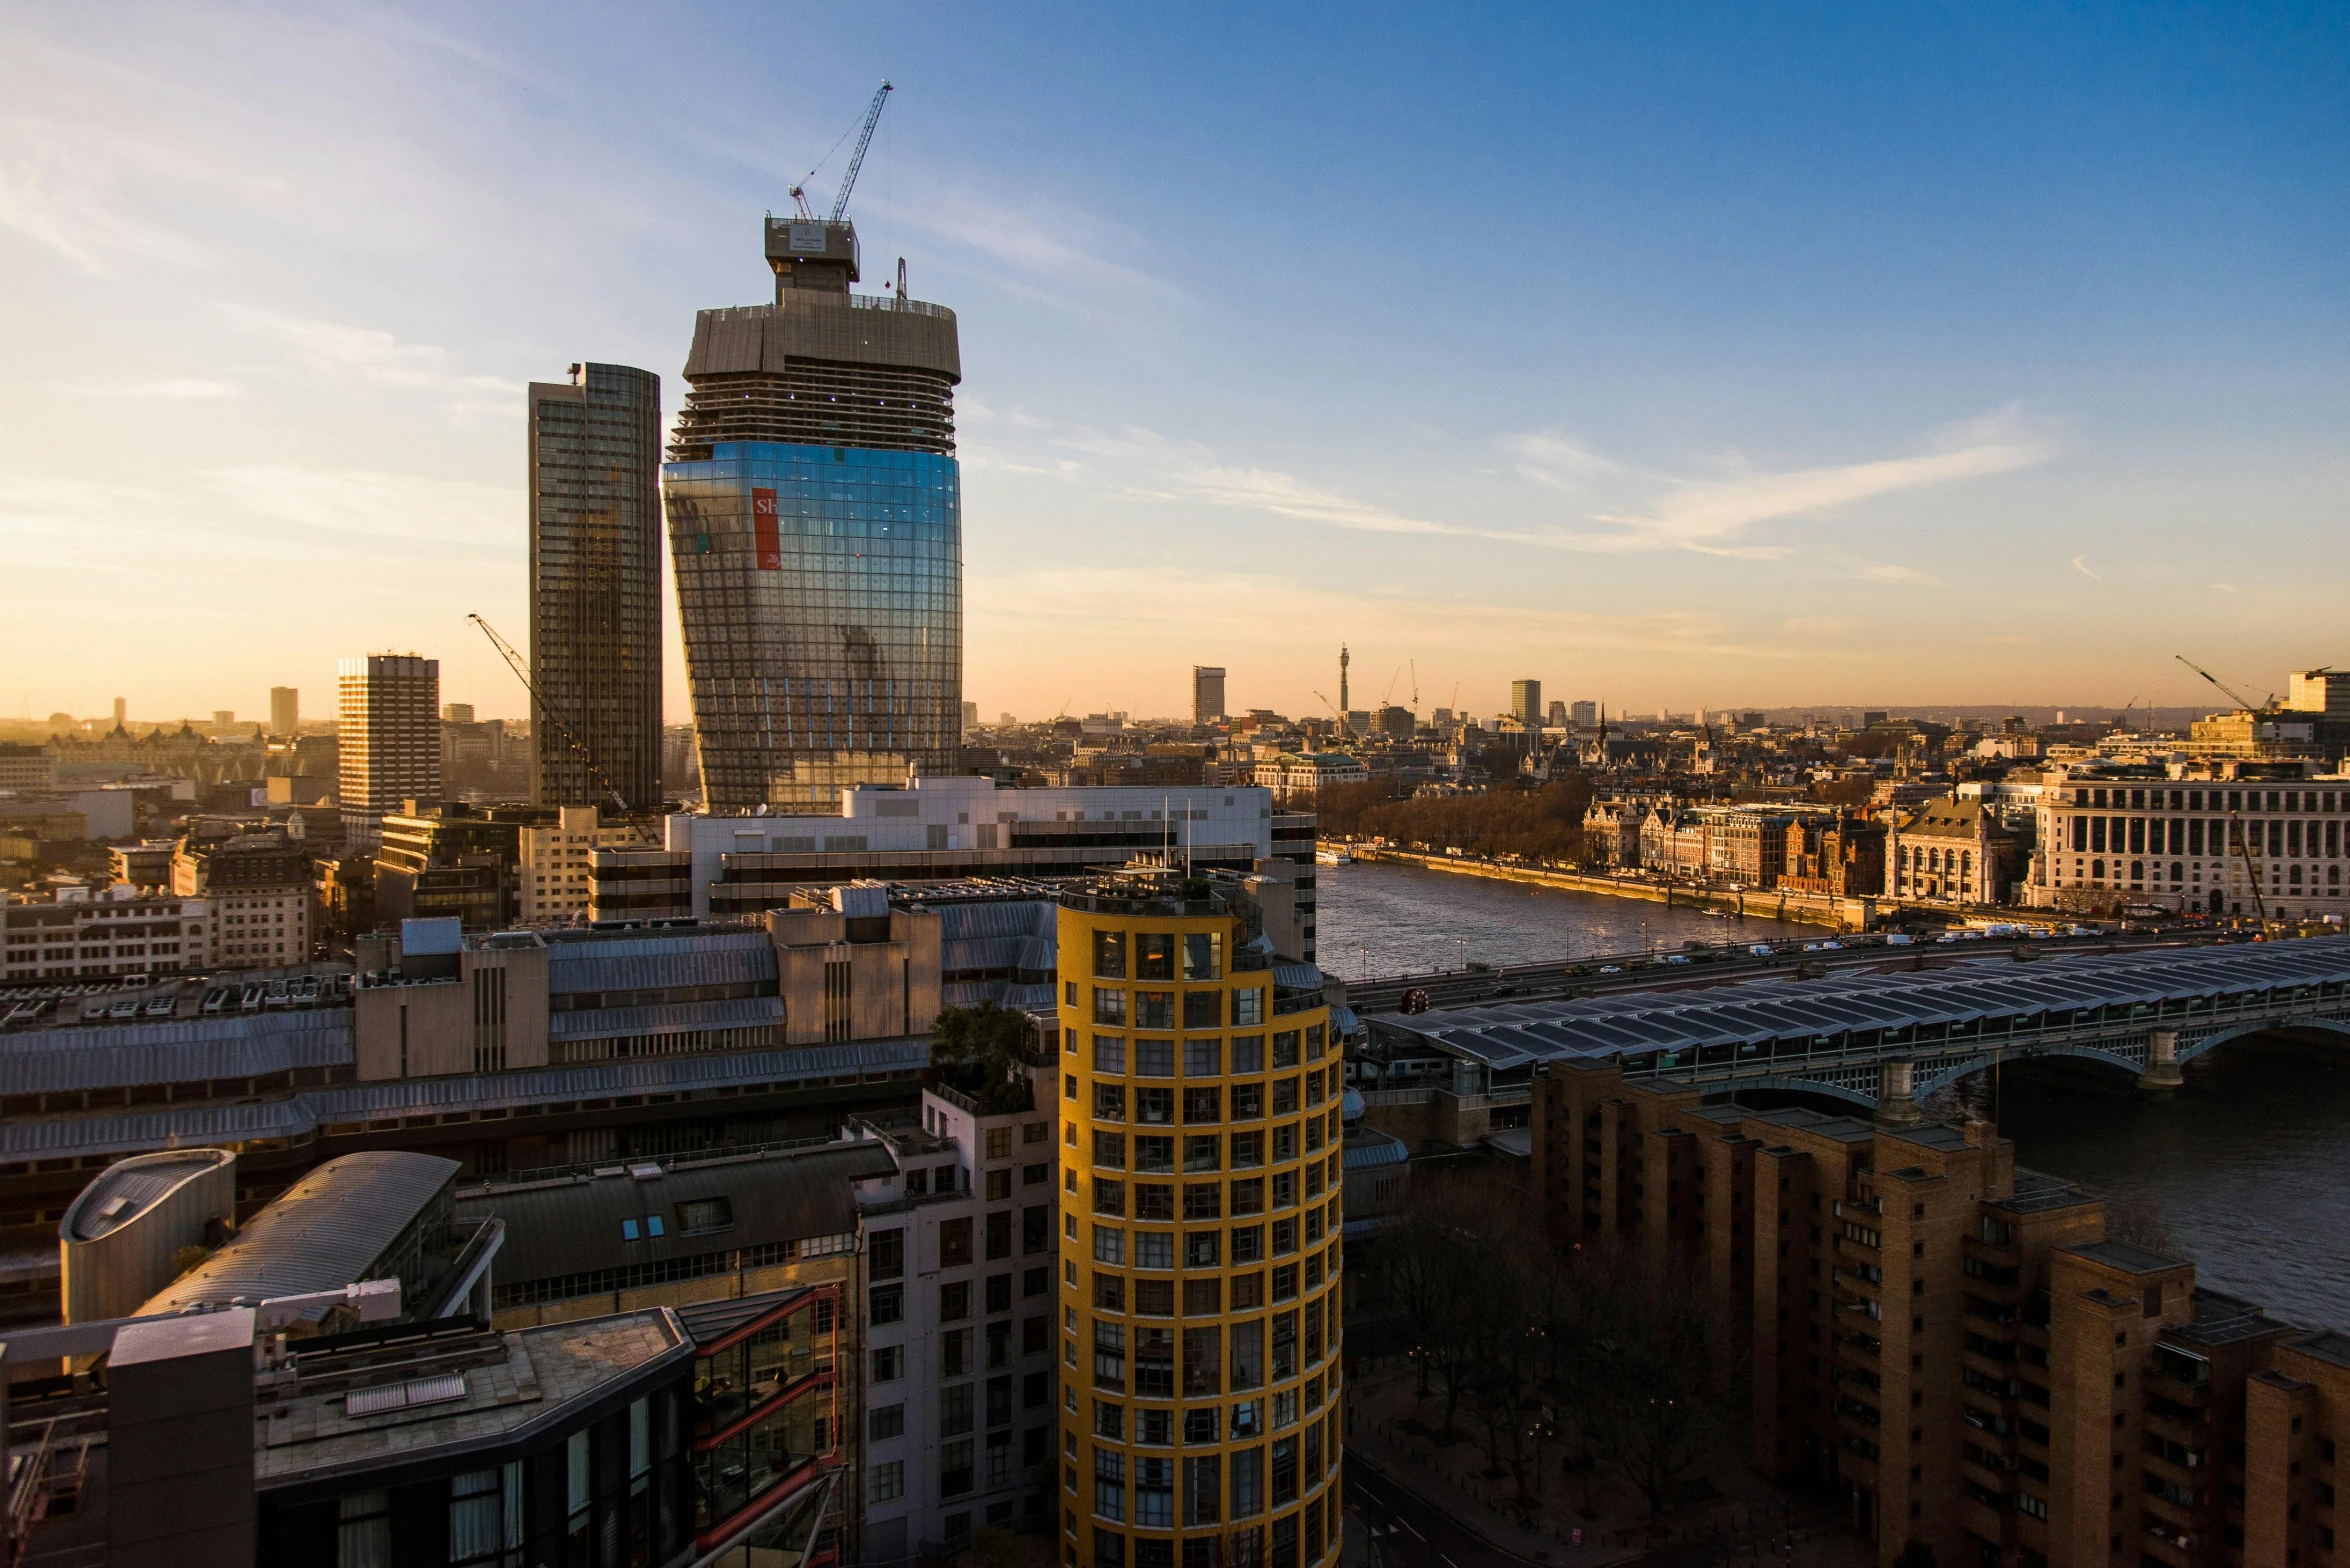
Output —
(1897, 1104)
(2162, 1077)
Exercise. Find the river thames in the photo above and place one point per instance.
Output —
(2249, 1165)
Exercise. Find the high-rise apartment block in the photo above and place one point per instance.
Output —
(388, 716)
(285, 710)
(595, 588)
(1526, 703)
(1200, 1197)
(815, 524)
(1583, 715)
(1953, 1343)
(1207, 693)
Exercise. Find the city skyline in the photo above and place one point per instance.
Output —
(1809, 359)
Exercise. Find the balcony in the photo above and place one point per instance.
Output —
(2193, 1395)
(2189, 1435)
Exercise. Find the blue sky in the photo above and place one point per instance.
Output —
(1672, 355)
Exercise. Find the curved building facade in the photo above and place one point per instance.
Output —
(1200, 1238)
(815, 524)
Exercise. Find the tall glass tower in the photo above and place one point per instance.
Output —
(595, 587)
(815, 523)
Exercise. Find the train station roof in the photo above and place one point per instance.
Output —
(1515, 1034)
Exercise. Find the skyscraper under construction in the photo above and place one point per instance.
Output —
(815, 522)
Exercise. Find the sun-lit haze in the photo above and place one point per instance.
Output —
(1672, 357)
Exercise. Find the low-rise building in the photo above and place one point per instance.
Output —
(76, 936)
(1302, 775)
(1953, 850)
(27, 769)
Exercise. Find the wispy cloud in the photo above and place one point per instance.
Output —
(381, 359)
(384, 507)
(178, 388)
(2081, 565)
(1556, 459)
(2227, 587)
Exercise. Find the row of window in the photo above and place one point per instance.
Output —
(1201, 1058)
(1154, 1153)
(1156, 1107)
(1239, 1485)
(1206, 1200)
(2291, 800)
(1156, 1009)
(1155, 953)
(2278, 839)
(1244, 1548)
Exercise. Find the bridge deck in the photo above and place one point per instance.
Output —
(1839, 1028)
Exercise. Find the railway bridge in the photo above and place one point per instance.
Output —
(1883, 1041)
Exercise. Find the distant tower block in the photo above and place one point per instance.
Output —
(1207, 693)
(285, 710)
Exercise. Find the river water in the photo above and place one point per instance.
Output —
(2249, 1166)
(1390, 918)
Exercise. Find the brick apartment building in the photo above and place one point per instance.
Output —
(1953, 1342)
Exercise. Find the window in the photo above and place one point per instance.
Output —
(1248, 1008)
(485, 1518)
(1109, 1054)
(889, 1363)
(1109, 1005)
(1109, 1101)
(1202, 1361)
(885, 1422)
(1200, 1248)
(1154, 1009)
(1154, 1249)
(886, 1483)
(1248, 1054)
(1248, 1196)
(1285, 1097)
(1248, 1148)
(1154, 956)
(1109, 1244)
(1109, 955)
(999, 1183)
(1154, 1107)
(1203, 1106)
(954, 1468)
(1203, 955)
(1109, 1197)
(1248, 1243)
(1154, 1058)
(1248, 1101)
(705, 1214)
(1154, 1200)
(1285, 1048)
(1203, 1009)
(999, 1143)
(954, 1242)
(885, 1304)
(1203, 1152)
(1154, 1155)
(1203, 1298)
(1203, 1058)
(1203, 1200)
(954, 1300)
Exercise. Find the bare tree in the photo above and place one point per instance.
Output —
(1665, 1380)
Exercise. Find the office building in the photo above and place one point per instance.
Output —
(285, 710)
(552, 861)
(389, 735)
(258, 885)
(1207, 693)
(941, 827)
(595, 588)
(1200, 1197)
(1583, 715)
(970, 718)
(1526, 703)
(1951, 1342)
(448, 858)
(815, 524)
(2223, 837)
(77, 937)
(27, 769)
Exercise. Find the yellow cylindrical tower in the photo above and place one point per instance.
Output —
(1200, 1248)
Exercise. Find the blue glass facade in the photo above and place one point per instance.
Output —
(821, 591)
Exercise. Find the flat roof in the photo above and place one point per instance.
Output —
(2121, 1255)
(571, 1225)
(486, 1388)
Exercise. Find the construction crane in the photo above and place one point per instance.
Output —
(1387, 698)
(1334, 713)
(848, 181)
(2234, 696)
(546, 715)
(1415, 688)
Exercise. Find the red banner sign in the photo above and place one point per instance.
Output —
(770, 536)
